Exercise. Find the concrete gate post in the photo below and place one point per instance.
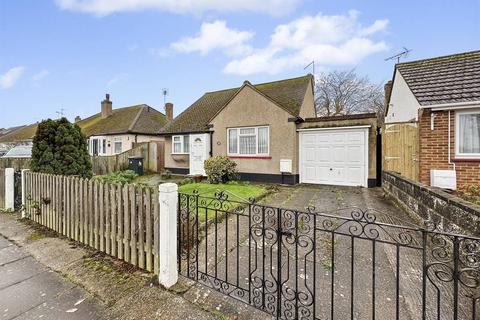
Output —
(168, 269)
(9, 189)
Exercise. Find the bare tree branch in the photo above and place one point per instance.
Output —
(345, 92)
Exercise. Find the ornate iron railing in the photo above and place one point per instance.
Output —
(312, 265)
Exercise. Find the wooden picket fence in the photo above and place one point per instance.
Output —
(120, 220)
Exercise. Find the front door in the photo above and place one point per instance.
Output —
(199, 152)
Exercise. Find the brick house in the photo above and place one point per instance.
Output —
(442, 95)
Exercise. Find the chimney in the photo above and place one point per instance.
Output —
(106, 107)
(169, 111)
(77, 119)
(388, 91)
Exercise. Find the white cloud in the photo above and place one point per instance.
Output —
(41, 75)
(133, 47)
(106, 7)
(216, 35)
(117, 78)
(9, 78)
(329, 40)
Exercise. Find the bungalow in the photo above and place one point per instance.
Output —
(442, 97)
(17, 136)
(114, 131)
(271, 131)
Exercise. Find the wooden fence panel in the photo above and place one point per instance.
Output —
(122, 221)
(400, 149)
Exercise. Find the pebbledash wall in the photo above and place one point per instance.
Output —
(448, 212)
(434, 149)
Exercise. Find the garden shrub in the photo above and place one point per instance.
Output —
(122, 177)
(185, 181)
(470, 193)
(220, 170)
(166, 174)
(60, 147)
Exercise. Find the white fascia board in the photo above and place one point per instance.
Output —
(335, 128)
(452, 106)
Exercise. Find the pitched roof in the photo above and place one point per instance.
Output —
(134, 119)
(449, 79)
(287, 94)
(18, 134)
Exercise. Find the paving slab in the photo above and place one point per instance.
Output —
(30, 290)
(19, 270)
(11, 254)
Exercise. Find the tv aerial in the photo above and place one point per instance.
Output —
(313, 66)
(60, 113)
(401, 55)
(165, 94)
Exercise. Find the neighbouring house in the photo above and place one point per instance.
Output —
(113, 131)
(21, 151)
(17, 136)
(438, 100)
(271, 131)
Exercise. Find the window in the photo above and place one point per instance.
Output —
(117, 145)
(252, 141)
(181, 144)
(467, 134)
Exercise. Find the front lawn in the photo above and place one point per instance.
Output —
(236, 192)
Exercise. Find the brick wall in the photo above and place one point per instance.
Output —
(434, 149)
(446, 211)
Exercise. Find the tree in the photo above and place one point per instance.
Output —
(60, 147)
(345, 92)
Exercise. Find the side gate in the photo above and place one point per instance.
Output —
(310, 265)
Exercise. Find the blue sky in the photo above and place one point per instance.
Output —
(68, 53)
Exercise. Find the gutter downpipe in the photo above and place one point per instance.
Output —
(449, 134)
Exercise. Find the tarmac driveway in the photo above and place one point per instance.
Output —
(322, 275)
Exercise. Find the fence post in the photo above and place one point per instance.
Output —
(9, 189)
(24, 196)
(168, 270)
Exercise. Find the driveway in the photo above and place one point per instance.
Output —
(318, 269)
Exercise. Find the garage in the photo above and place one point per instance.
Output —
(334, 156)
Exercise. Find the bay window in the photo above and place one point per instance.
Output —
(467, 134)
(251, 141)
(181, 144)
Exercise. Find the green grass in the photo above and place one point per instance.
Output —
(236, 192)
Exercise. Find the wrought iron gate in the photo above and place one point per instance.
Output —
(312, 265)
(17, 189)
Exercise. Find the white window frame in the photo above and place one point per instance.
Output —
(102, 150)
(182, 142)
(256, 154)
(458, 154)
(115, 141)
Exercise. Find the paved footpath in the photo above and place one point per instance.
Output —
(30, 290)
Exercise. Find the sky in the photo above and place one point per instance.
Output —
(63, 56)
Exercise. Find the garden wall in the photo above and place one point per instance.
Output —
(447, 211)
(16, 163)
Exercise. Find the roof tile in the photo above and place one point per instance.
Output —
(449, 79)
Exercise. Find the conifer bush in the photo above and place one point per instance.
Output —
(60, 147)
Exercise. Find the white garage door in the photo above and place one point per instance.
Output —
(334, 156)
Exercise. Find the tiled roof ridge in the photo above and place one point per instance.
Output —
(260, 84)
(440, 58)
